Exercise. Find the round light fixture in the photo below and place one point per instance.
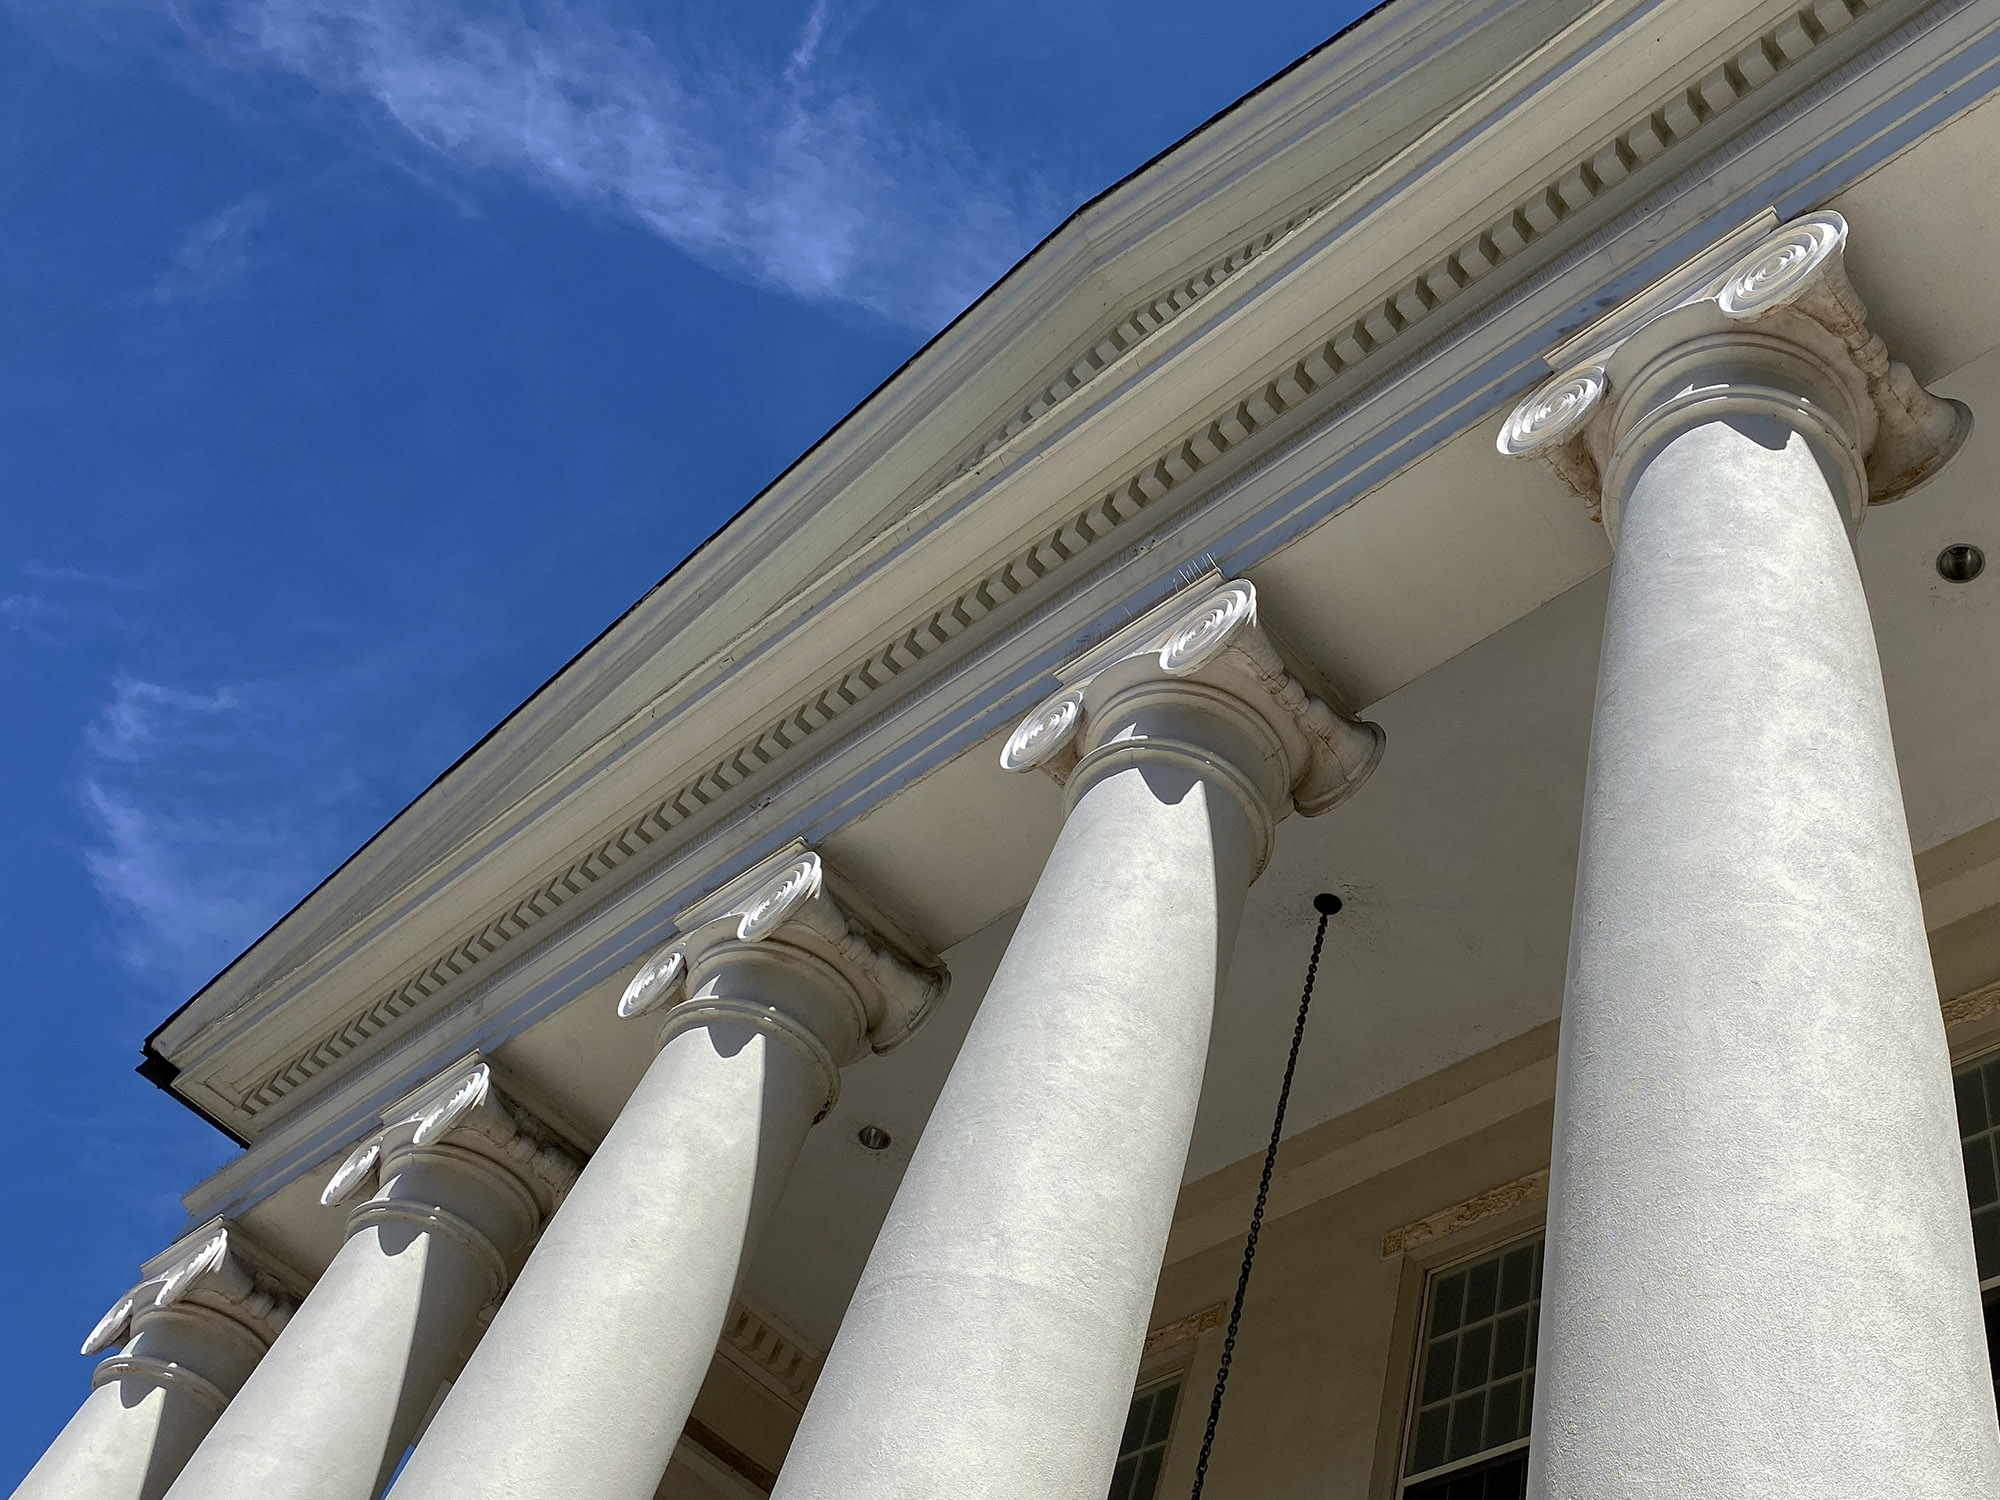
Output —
(874, 1137)
(1961, 562)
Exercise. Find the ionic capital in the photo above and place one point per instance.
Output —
(463, 1108)
(1764, 323)
(789, 947)
(213, 1267)
(1203, 651)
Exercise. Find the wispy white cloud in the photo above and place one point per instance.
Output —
(799, 64)
(214, 253)
(187, 872)
(799, 181)
(141, 717)
(33, 616)
(90, 578)
(184, 898)
(63, 604)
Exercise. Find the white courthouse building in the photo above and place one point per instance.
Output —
(1526, 470)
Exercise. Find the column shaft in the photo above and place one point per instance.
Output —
(335, 1404)
(991, 1346)
(149, 1407)
(584, 1382)
(1760, 1276)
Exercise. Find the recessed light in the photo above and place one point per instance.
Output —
(874, 1137)
(1961, 562)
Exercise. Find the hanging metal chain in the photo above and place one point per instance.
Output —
(1326, 903)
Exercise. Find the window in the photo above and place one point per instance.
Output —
(1144, 1447)
(1993, 1341)
(1979, 1134)
(1499, 1479)
(1476, 1380)
(1476, 1370)
(1978, 1090)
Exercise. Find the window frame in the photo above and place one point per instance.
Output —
(1982, 1056)
(1149, 1381)
(1981, 1053)
(1467, 1255)
(1178, 1362)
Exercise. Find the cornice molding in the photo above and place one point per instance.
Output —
(1671, 123)
(1893, 87)
(726, 1467)
(771, 1353)
(1123, 333)
(745, 583)
(1180, 1331)
(1459, 1216)
(1973, 1005)
(1369, 335)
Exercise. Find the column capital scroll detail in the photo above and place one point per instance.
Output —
(213, 1266)
(1208, 639)
(467, 1107)
(1766, 317)
(791, 908)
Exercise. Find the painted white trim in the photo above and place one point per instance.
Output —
(1941, 62)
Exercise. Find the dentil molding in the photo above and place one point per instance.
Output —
(1674, 118)
(771, 1353)
(1973, 1005)
(1372, 332)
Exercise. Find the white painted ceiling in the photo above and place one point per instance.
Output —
(1456, 862)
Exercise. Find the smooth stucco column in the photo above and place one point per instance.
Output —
(1759, 1273)
(332, 1408)
(990, 1348)
(584, 1382)
(198, 1323)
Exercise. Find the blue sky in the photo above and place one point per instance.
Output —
(359, 361)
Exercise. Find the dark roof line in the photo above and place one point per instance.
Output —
(160, 1071)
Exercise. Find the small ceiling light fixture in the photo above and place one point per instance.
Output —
(1961, 562)
(874, 1137)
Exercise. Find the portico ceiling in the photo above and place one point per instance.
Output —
(1456, 865)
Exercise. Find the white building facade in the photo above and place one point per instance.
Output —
(1527, 470)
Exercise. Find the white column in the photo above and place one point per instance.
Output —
(583, 1384)
(1759, 1272)
(464, 1181)
(192, 1330)
(991, 1346)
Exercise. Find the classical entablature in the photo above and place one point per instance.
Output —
(1277, 278)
